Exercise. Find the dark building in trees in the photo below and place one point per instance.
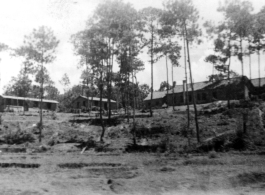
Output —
(259, 84)
(205, 92)
(84, 102)
(14, 103)
(159, 98)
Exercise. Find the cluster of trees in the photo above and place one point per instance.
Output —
(117, 33)
(239, 35)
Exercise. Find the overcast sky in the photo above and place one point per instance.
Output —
(66, 17)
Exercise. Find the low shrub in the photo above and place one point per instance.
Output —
(202, 161)
(240, 142)
(247, 178)
(212, 154)
(54, 116)
(160, 148)
(1, 119)
(18, 137)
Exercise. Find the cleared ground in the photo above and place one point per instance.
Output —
(62, 167)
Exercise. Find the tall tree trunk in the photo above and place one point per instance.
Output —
(229, 84)
(41, 100)
(191, 82)
(109, 82)
(259, 64)
(228, 72)
(128, 99)
(241, 60)
(101, 109)
(249, 55)
(173, 86)
(167, 78)
(186, 91)
(134, 126)
(152, 86)
(87, 83)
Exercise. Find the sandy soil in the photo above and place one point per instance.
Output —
(64, 169)
(101, 173)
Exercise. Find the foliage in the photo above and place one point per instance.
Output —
(3, 47)
(164, 86)
(65, 100)
(51, 92)
(18, 137)
(39, 49)
(65, 81)
(18, 86)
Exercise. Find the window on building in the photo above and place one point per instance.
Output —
(198, 96)
(240, 96)
(36, 104)
(84, 103)
(20, 102)
(190, 98)
(181, 99)
(49, 105)
(215, 94)
(157, 103)
(204, 96)
(8, 101)
(96, 103)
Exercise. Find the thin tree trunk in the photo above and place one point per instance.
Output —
(100, 111)
(167, 78)
(134, 126)
(87, 82)
(173, 92)
(152, 86)
(228, 72)
(242, 63)
(191, 82)
(249, 54)
(127, 92)
(92, 94)
(109, 83)
(229, 84)
(259, 65)
(186, 91)
(41, 100)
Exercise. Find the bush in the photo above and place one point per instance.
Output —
(54, 116)
(262, 96)
(212, 154)
(1, 119)
(240, 142)
(18, 137)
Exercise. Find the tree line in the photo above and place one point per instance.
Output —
(117, 33)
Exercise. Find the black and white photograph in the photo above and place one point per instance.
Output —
(132, 97)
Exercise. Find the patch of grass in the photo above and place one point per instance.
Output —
(19, 165)
(212, 154)
(167, 169)
(81, 165)
(247, 178)
(203, 161)
(18, 137)
(161, 148)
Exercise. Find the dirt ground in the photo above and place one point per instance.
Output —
(64, 168)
